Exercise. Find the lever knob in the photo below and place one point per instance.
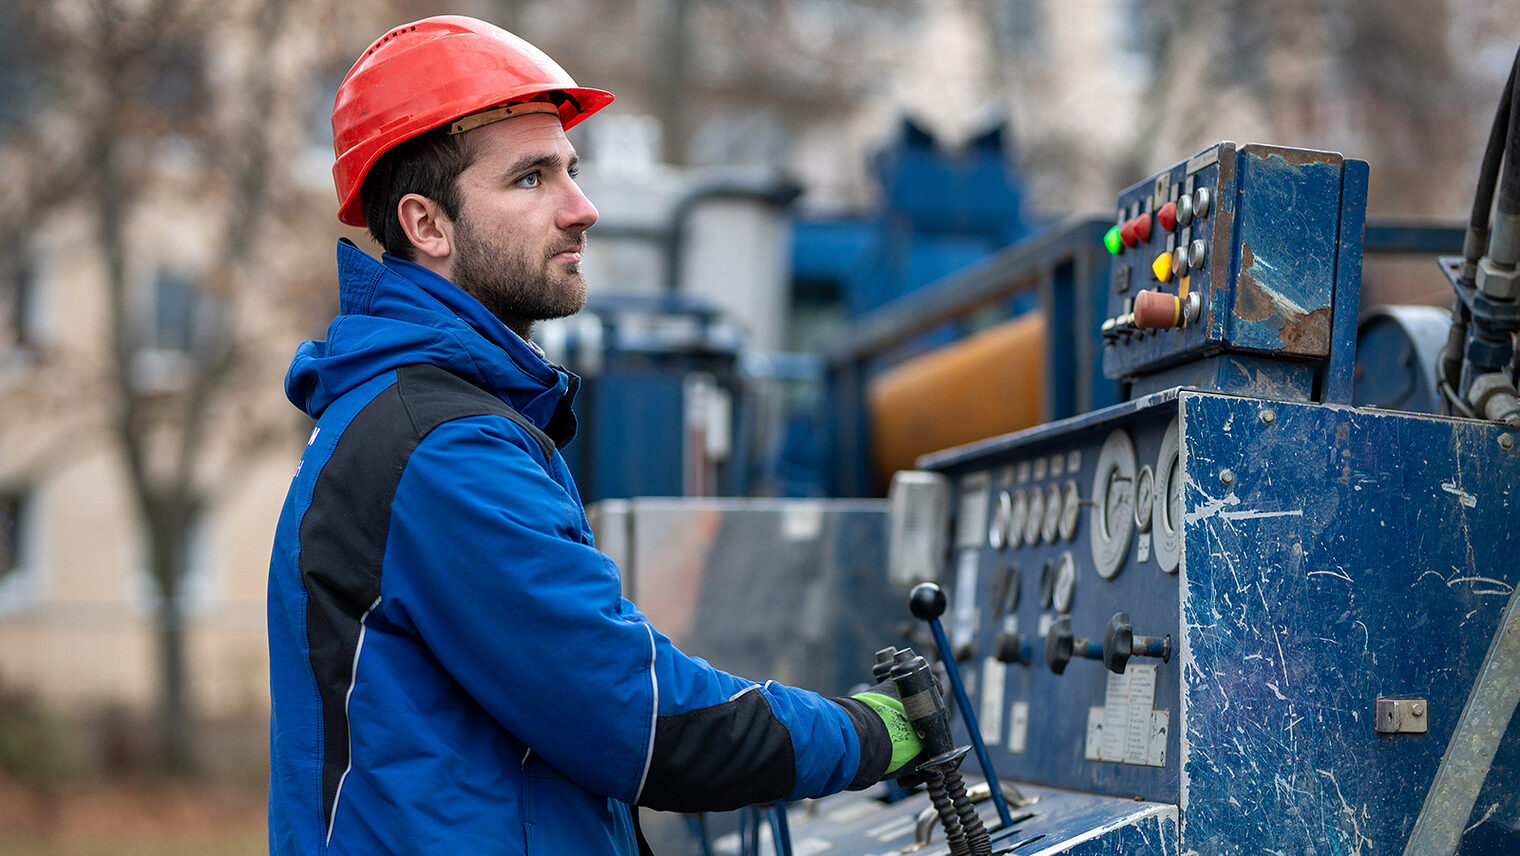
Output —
(927, 602)
(1120, 643)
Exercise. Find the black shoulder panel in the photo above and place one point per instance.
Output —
(344, 531)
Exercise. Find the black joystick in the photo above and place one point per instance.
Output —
(1120, 643)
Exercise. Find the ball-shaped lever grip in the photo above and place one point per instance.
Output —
(927, 602)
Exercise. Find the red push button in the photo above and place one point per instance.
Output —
(1143, 227)
(1127, 234)
(1167, 216)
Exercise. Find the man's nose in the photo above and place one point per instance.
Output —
(576, 211)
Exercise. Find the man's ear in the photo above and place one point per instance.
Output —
(427, 227)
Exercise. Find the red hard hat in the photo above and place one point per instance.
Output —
(428, 73)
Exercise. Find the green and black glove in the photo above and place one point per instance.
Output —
(906, 746)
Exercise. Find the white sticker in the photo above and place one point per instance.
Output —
(1128, 729)
(971, 519)
(1144, 549)
(1046, 619)
(1018, 726)
(965, 600)
(1161, 721)
(994, 678)
(1139, 706)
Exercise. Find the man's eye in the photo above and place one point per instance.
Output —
(532, 179)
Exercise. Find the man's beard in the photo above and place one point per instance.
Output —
(517, 289)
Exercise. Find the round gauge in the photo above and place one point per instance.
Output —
(997, 532)
(1166, 515)
(1036, 518)
(1017, 517)
(1071, 510)
(1145, 497)
(1050, 530)
(1012, 583)
(1064, 587)
(1047, 584)
(1113, 496)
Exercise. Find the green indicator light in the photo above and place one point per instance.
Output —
(1112, 240)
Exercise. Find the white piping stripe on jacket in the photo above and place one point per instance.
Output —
(353, 679)
(654, 714)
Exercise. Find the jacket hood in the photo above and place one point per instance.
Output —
(393, 313)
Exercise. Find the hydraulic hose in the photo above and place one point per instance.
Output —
(1488, 175)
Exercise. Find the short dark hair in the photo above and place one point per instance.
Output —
(428, 165)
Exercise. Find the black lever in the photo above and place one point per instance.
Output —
(1061, 646)
(927, 603)
(1120, 643)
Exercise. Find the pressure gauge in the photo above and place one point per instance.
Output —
(1145, 497)
(997, 533)
(1064, 587)
(1036, 520)
(1167, 503)
(1113, 503)
(1071, 510)
(1017, 518)
(1050, 530)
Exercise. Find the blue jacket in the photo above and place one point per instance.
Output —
(453, 666)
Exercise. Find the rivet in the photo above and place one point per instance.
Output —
(1268, 417)
(1506, 441)
(1418, 709)
(1227, 476)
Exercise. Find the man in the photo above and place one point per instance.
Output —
(453, 667)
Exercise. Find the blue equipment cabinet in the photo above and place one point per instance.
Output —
(1233, 614)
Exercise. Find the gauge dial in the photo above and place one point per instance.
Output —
(1167, 504)
(1036, 519)
(1145, 497)
(1017, 518)
(1050, 530)
(1113, 503)
(997, 533)
(1047, 584)
(1065, 585)
(1071, 510)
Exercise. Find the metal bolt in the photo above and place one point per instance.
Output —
(1506, 441)
(1268, 416)
(1227, 476)
(1417, 709)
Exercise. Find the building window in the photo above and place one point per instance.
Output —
(178, 324)
(19, 571)
(18, 298)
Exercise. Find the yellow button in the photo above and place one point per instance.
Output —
(1162, 267)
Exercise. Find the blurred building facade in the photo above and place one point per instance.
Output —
(1095, 93)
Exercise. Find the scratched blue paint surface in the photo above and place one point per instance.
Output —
(1355, 554)
(1287, 237)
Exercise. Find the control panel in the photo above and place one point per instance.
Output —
(1239, 251)
(1207, 601)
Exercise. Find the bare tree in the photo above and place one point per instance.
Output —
(195, 106)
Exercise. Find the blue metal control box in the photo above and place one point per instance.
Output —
(1235, 614)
